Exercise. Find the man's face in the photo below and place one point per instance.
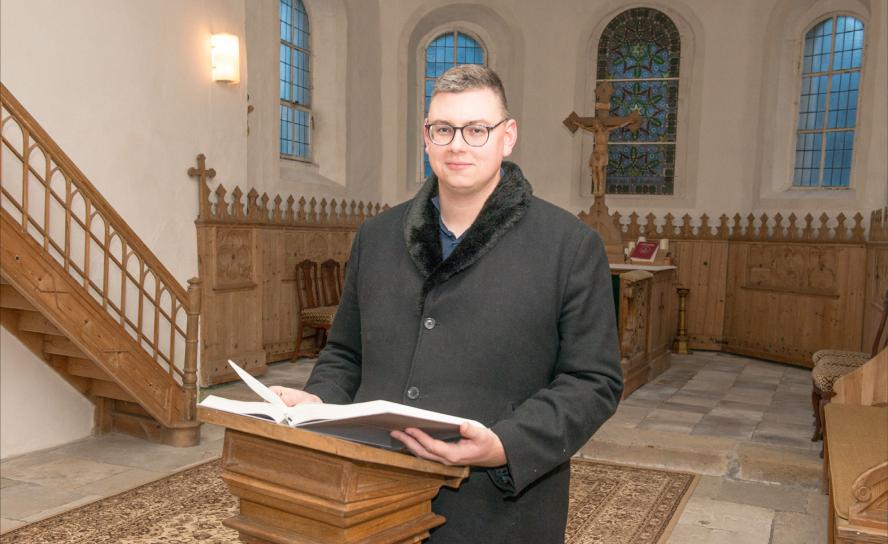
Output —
(461, 168)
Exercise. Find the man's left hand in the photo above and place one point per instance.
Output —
(479, 446)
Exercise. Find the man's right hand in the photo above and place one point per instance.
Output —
(292, 397)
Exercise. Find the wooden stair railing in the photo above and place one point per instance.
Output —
(84, 293)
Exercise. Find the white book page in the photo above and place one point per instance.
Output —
(256, 409)
(258, 387)
(311, 412)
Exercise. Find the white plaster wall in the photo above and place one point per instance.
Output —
(40, 410)
(124, 88)
(780, 93)
(324, 175)
(725, 83)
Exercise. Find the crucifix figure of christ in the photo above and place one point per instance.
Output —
(601, 125)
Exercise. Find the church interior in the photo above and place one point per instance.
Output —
(182, 183)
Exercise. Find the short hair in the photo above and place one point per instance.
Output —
(464, 77)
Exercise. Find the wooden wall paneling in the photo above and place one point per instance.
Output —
(248, 247)
(787, 300)
(231, 309)
(735, 325)
(876, 286)
(663, 321)
(702, 266)
(848, 328)
(282, 249)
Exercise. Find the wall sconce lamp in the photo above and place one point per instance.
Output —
(226, 58)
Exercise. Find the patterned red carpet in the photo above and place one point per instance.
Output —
(610, 504)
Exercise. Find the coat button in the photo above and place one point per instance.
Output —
(429, 323)
(413, 392)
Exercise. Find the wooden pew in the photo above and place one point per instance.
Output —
(856, 455)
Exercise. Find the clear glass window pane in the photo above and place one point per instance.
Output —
(295, 80)
(440, 55)
(828, 103)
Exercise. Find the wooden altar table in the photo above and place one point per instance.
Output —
(647, 314)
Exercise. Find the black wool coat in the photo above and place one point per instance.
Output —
(515, 329)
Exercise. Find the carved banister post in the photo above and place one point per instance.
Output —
(189, 373)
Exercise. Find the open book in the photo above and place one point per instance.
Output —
(364, 422)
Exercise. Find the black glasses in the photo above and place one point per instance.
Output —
(475, 135)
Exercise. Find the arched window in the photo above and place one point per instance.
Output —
(445, 51)
(639, 54)
(831, 63)
(296, 119)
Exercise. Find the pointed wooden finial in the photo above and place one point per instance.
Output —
(202, 174)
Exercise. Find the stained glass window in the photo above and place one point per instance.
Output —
(831, 63)
(447, 51)
(295, 136)
(639, 54)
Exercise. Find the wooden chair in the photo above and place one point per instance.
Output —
(855, 465)
(331, 282)
(312, 311)
(830, 365)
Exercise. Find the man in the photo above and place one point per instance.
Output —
(479, 300)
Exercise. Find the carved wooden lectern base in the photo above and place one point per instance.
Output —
(299, 487)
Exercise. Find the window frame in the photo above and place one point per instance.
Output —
(293, 105)
(823, 131)
(454, 29)
(678, 79)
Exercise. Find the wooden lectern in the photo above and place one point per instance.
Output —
(300, 487)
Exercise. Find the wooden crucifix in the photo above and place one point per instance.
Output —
(601, 125)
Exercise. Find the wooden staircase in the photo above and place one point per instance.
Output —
(83, 293)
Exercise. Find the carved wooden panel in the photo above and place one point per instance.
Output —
(784, 301)
(635, 297)
(792, 269)
(607, 226)
(233, 259)
(231, 308)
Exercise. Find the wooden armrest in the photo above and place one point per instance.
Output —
(869, 498)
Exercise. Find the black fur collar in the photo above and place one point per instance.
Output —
(505, 207)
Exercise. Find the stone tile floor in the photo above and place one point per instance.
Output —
(45, 483)
(743, 424)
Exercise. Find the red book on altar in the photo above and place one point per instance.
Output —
(644, 252)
